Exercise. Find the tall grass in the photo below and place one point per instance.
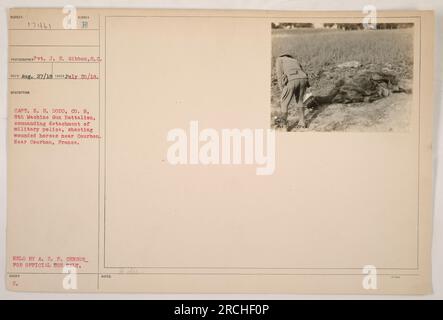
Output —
(317, 49)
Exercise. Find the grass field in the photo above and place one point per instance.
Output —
(321, 50)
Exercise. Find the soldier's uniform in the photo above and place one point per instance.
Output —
(293, 82)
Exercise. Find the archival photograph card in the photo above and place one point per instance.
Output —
(205, 151)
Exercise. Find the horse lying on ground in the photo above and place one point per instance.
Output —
(366, 86)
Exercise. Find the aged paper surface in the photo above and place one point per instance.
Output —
(125, 175)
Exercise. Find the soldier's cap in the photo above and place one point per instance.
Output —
(286, 54)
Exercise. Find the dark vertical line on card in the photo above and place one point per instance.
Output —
(99, 158)
(419, 138)
(104, 154)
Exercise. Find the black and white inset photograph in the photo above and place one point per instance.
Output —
(342, 77)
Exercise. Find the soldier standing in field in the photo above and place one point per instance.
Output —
(293, 82)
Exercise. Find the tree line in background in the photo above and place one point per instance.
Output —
(340, 26)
